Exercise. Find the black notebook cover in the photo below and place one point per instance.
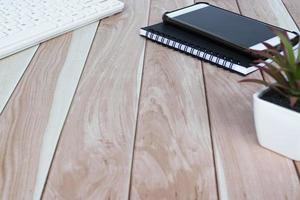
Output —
(200, 47)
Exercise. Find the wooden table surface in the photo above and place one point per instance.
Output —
(101, 113)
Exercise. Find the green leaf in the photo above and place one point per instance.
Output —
(285, 68)
(294, 91)
(288, 49)
(297, 74)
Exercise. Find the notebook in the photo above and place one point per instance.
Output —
(199, 47)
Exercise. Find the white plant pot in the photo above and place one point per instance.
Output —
(278, 128)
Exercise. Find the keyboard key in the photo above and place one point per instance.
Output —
(25, 23)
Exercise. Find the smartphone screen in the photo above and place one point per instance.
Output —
(225, 26)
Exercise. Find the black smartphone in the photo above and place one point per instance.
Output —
(229, 28)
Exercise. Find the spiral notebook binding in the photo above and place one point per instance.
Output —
(189, 48)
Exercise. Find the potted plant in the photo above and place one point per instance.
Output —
(277, 107)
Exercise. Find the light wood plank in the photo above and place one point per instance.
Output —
(173, 155)
(11, 70)
(298, 168)
(25, 119)
(32, 122)
(279, 16)
(293, 7)
(93, 158)
(270, 11)
(65, 88)
(245, 170)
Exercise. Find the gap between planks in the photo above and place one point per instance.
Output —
(45, 94)
(93, 159)
(286, 21)
(12, 69)
(241, 162)
(139, 105)
(173, 154)
(67, 83)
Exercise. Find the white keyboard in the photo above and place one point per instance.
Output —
(25, 23)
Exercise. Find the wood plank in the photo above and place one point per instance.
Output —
(244, 169)
(11, 70)
(298, 167)
(22, 122)
(278, 16)
(173, 156)
(94, 155)
(270, 11)
(65, 88)
(32, 122)
(293, 8)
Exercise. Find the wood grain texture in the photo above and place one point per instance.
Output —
(93, 158)
(65, 88)
(293, 6)
(25, 119)
(32, 122)
(245, 170)
(278, 14)
(11, 70)
(270, 11)
(298, 168)
(173, 154)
